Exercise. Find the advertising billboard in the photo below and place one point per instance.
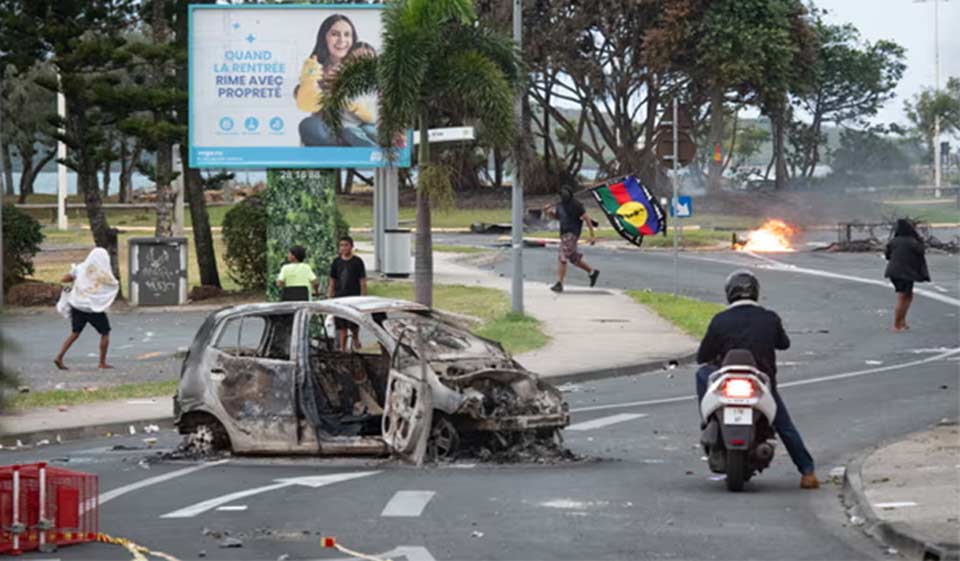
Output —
(257, 77)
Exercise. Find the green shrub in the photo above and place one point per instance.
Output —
(22, 236)
(245, 235)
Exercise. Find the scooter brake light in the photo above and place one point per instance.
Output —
(740, 388)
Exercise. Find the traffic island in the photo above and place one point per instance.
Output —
(906, 493)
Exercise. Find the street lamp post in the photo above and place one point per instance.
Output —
(516, 286)
(936, 83)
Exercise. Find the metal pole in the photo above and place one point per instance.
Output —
(516, 286)
(61, 168)
(936, 118)
(179, 194)
(676, 225)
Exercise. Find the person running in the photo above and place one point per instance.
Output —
(348, 277)
(572, 216)
(906, 265)
(747, 325)
(94, 289)
(297, 277)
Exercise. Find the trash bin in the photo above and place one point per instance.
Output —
(158, 271)
(396, 255)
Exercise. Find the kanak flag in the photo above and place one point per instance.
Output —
(631, 209)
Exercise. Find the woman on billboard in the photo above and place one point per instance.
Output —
(336, 41)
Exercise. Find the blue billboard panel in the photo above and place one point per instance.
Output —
(258, 74)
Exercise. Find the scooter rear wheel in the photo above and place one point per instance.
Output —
(736, 470)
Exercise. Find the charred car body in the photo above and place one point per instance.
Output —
(268, 379)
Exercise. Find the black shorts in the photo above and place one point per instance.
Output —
(903, 286)
(341, 323)
(79, 319)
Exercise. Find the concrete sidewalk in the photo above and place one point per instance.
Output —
(595, 333)
(907, 493)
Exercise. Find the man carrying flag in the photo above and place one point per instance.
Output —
(572, 216)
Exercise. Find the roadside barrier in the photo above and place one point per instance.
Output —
(43, 508)
(331, 543)
(138, 551)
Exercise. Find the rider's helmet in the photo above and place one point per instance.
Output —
(742, 285)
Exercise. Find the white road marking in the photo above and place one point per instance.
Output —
(606, 421)
(112, 494)
(232, 508)
(900, 504)
(878, 370)
(309, 481)
(407, 504)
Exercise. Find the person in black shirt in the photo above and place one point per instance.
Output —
(747, 325)
(348, 277)
(906, 265)
(572, 215)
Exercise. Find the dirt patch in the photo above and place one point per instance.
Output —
(206, 292)
(33, 294)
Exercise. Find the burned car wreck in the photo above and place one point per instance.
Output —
(269, 379)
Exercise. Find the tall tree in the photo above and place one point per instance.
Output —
(81, 38)
(923, 109)
(851, 80)
(27, 109)
(434, 56)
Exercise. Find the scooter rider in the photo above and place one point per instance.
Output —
(747, 325)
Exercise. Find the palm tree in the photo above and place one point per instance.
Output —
(436, 60)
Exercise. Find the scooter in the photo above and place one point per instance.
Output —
(738, 411)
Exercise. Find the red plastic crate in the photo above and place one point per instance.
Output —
(43, 507)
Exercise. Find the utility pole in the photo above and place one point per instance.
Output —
(516, 286)
(936, 84)
(673, 202)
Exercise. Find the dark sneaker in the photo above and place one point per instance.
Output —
(557, 287)
(593, 278)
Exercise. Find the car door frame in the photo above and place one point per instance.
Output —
(252, 427)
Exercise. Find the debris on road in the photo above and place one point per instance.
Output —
(229, 542)
(476, 534)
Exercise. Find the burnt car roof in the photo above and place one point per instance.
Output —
(360, 304)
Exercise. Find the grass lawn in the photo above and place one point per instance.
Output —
(361, 216)
(54, 398)
(517, 334)
(459, 249)
(931, 212)
(690, 238)
(50, 266)
(690, 315)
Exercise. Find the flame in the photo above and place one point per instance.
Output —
(773, 236)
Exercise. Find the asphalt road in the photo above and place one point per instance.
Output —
(645, 493)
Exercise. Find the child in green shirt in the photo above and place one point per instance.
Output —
(296, 273)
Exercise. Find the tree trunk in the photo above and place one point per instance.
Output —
(202, 236)
(715, 137)
(106, 179)
(780, 169)
(103, 235)
(423, 272)
(30, 172)
(164, 191)
(128, 164)
(7, 168)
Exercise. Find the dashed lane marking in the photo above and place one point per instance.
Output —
(407, 504)
(606, 421)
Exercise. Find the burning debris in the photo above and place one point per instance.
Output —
(775, 236)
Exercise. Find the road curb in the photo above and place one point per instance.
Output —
(119, 428)
(621, 371)
(906, 539)
(122, 427)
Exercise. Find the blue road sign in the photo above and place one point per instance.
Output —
(682, 207)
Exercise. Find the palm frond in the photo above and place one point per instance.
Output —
(437, 12)
(405, 57)
(495, 46)
(480, 89)
(355, 78)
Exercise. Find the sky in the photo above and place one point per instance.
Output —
(909, 23)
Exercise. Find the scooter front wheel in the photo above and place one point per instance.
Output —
(736, 470)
